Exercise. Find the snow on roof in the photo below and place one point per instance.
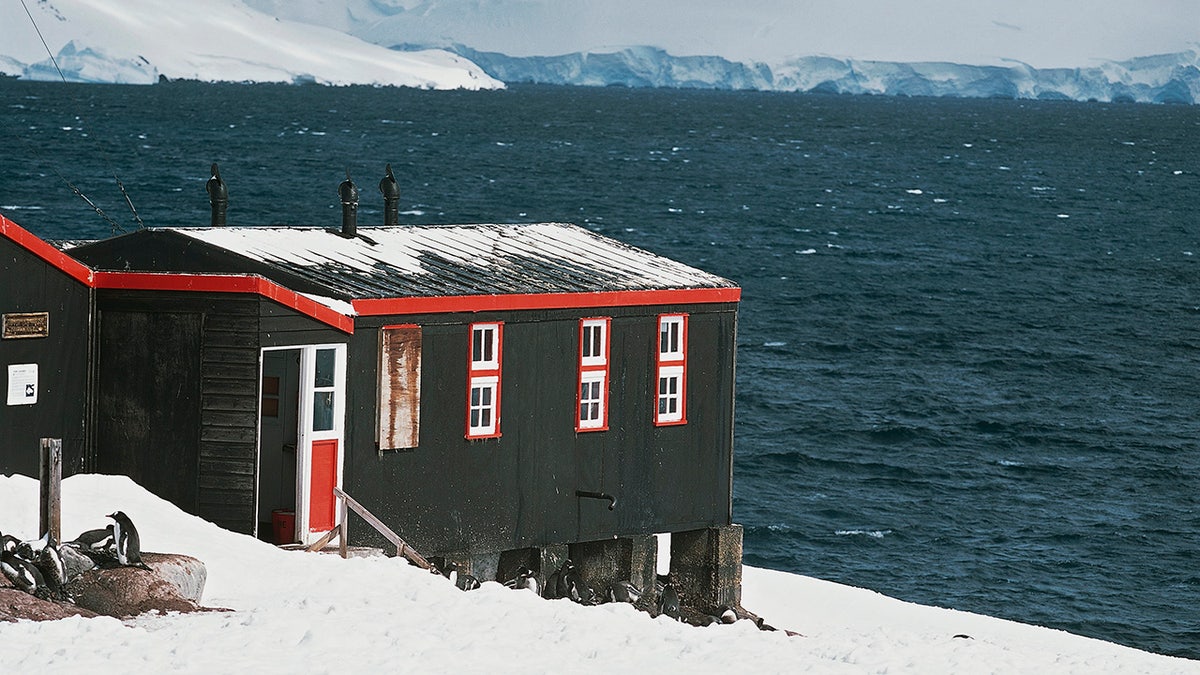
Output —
(442, 260)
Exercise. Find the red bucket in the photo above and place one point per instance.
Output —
(283, 523)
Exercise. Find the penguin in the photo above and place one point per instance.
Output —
(571, 585)
(95, 540)
(668, 602)
(49, 562)
(623, 591)
(728, 615)
(462, 580)
(9, 543)
(550, 590)
(125, 538)
(525, 580)
(23, 574)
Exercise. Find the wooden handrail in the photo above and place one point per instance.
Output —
(402, 549)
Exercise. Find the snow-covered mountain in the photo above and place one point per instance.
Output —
(139, 41)
(1169, 78)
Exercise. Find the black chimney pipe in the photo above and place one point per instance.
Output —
(218, 197)
(349, 195)
(391, 199)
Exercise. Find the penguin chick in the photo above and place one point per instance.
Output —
(49, 562)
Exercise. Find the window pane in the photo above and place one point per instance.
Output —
(485, 417)
(322, 411)
(475, 396)
(325, 368)
(474, 417)
(477, 345)
(587, 341)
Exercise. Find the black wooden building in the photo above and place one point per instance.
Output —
(491, 392)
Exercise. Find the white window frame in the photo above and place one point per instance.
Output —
(664, 398)
(593, 369)
(671, 346)
(489, 383)
(491, 333)
(487, 340)
(589, 379)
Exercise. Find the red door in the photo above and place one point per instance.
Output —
(322, 507)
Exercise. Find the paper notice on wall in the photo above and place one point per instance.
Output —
(22, 384)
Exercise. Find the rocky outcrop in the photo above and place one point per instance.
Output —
(172, 583)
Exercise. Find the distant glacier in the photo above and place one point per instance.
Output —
(1165, 78)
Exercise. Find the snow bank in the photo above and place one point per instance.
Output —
(296, 612)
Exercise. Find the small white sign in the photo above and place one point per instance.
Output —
(22, 384)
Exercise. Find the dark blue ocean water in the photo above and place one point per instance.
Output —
(969, 347)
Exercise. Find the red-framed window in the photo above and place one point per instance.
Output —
(592, 404)
(670, 391)
(483, 380)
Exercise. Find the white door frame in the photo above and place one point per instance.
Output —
(306, 435)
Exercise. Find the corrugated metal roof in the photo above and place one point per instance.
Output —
(447, 260)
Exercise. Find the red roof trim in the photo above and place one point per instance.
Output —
(32, 243)
(518, 301)
(225, 283)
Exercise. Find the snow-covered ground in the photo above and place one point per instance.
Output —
(136, 41)
(298, 612)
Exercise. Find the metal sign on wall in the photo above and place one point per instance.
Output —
(25, 325)
(22, 384)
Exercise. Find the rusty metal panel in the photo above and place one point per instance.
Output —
(399, 386)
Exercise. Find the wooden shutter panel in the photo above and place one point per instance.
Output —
(399, 386)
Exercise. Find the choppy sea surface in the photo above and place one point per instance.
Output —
(969, 342)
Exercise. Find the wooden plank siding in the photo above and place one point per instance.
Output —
(30, 284)
(229, 415)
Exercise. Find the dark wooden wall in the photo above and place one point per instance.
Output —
(178, 398)
(29, 284)
(453, 495)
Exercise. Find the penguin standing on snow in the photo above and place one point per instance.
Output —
(125, 538)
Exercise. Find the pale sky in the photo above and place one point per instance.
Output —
(1042, 33)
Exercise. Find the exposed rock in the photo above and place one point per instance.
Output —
(173, 583)
(15, 605)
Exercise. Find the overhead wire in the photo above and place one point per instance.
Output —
(121, 186)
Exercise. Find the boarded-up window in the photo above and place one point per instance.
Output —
(399, 386)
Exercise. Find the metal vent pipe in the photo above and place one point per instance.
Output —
(391, 198)
(349, 196)
(218, 197)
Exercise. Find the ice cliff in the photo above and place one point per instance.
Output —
(1166, 78)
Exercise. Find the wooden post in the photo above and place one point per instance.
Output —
(51, 492)
(344, 524)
